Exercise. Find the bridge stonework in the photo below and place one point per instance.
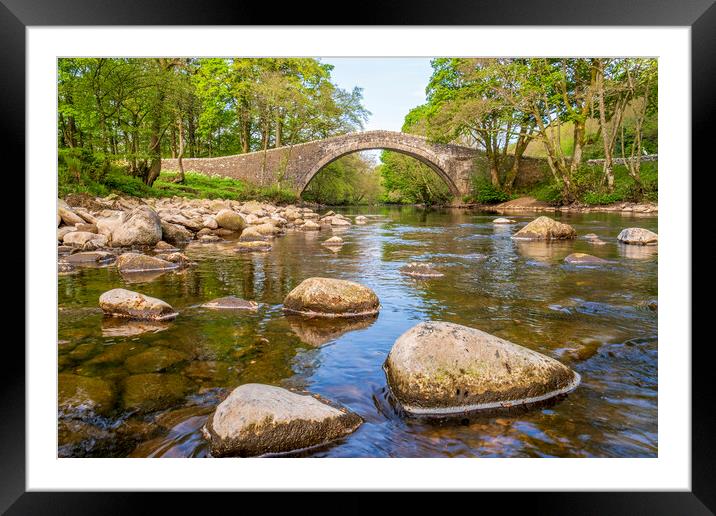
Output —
(294, 166)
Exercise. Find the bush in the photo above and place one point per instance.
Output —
(486, 193)
(548, 191)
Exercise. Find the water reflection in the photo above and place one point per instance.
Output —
(638, 252)
(318, 332)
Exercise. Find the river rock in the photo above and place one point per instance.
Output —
(334, 241)
(175, 233)
(309, 225)
(229, 219)
(153, 391)
(361, 219)
(164, 247)
(89, 258)
(231, 303)
(208, 239)
(136, 262)
(502, 220)
(339, 221)
(248, 247)
(120, 302)
(80, 238)
(591, 236)
(638, 236)
(84, 394)
(154, 360)
(68, 216)
(61, 232)
(260, 419)
(545, 228)
(328, 297)
(210, 223)
(140, 226)
(444, 369)
(421, 270)
(583, 259)
(252, 234)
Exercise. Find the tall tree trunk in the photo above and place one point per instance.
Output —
(520, 146)
(180, 153)
(606, 133)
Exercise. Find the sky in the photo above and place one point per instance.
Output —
(391, 86)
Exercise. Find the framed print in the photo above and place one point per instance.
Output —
(421, 255)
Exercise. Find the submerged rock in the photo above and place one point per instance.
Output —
(136, 262)
(154, 360)
(421, 270)
(252, 234)
(327, 297)
(231, 303)
(260, 419)
(84, 395)
(140, 226)
(309, 225)
(545, 228)
(361, 219)
(443, 369)
(153, 391)
(583, 259)
(638, 236)
(120, 302)
(121, 327)
(503, 220)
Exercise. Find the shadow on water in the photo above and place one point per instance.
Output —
(148, 388)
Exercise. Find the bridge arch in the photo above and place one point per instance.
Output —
(410, 145)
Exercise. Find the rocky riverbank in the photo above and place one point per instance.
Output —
(532, 204)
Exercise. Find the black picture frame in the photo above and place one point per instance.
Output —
(699, 15)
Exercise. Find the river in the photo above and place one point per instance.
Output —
(601, 321)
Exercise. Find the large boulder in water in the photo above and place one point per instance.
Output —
(229, 219)
(638, 236)
(327, 297)
(140, 226)
(545, 228)
(445, 369)
(260, 419)
(120, 302)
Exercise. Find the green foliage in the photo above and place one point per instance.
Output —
(349, 180)
(591, 190)
(408, 181)
(485, 193)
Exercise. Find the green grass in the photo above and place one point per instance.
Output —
(195, 186)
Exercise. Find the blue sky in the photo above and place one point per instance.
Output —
(391, 86)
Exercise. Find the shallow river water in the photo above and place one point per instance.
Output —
(601, 321)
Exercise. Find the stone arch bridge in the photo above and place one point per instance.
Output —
(296, 165)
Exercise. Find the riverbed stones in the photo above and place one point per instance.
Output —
(545, 228)
(638, 236)
(446, 369)
(80, 238)
(148, 392)
(421, 270)
(583, 259)
(258, 419)
(140, 226)
(67, 215)
(136, 262)
(84, 394)
(328, 297)
(120, 302)
(154, 360)
(503, 220)
(361, 219)
(229, 219)
(230, 303)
